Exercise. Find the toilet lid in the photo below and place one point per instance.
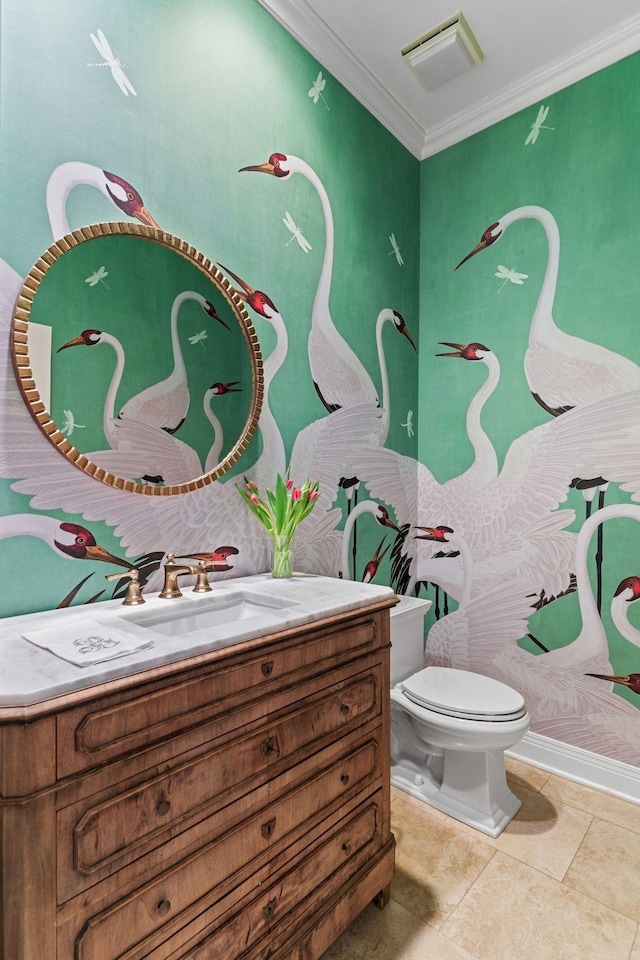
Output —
(458, 693)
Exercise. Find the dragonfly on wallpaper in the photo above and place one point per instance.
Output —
(316, 90)
(395, 249)
(506, 275)
(409, 423)
(290, 224)
(70, 424)
(538, 125)
(98, 277)
(102, 46)
(198, 338)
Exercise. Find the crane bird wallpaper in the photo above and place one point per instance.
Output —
(447, 346)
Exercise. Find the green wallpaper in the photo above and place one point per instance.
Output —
(218, 86)
(582, 168)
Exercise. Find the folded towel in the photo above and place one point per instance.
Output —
(85, 642)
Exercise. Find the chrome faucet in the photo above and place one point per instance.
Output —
(173, 570)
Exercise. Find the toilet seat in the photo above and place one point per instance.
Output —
(468, 696)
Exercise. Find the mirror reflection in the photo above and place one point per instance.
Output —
(137, 359)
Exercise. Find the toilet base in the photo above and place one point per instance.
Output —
(488, 805)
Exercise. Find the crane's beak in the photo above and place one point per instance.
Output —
(211, 311)
(76, 342)
(626, 681)
(459, 347)
(145, 217)
(378, 557)
(405, 333)
(429, 533)
(480, 246)
(388, 522)
(261, 168)
(245, 286)
(96, 552)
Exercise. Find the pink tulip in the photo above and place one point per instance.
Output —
(255, 499)
(297, 493)
(289, 484)
(313, 494)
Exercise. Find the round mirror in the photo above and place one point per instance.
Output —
(169, 395)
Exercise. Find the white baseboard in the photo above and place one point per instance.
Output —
(573, 763)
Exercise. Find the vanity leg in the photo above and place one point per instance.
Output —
(383, 896)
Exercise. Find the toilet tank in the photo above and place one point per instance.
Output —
(407, 637)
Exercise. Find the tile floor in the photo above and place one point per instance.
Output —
(562, 882)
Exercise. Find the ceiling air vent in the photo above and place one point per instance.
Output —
(443, 53)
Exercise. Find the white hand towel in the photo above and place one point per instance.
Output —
(85, 642)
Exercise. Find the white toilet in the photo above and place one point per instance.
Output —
(449, 730)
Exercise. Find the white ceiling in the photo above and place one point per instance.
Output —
(532, 48)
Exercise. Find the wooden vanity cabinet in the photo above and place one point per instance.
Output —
(231, 805)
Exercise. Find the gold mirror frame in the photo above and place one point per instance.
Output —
(23, 365)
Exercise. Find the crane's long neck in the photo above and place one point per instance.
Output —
(593, 639)
(619, 606)
(273, 459)
(486, 461)
(324, 284)
(459, 543)
(383, 316)
(61, 182)
(28, 525)
(365, 506)
(110, 399)
(213, 457)
(542, 327)
(179, 368)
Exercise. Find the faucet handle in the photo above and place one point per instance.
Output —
(133, 596)
(202, 581)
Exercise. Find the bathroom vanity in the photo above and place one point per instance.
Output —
(225, 800)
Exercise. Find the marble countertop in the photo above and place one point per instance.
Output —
(30, 674)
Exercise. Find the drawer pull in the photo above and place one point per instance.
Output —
(163, 808)
(268, 828)
(269, 746)
(346, 848)
(164, 907)
(267, 668)
(269, 910)
(344, 708)
(345, 779)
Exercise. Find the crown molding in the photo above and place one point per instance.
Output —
(318, 39)
(616, 44)
(315, 35)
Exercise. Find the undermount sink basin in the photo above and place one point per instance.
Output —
(210, 613)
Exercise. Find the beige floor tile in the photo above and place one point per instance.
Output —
(435, 863)
(418, 804)
(393, 934)
(524, 774)
(607, 867)
(514, 912)
(599, 804)
(635, 953)
(544, 833)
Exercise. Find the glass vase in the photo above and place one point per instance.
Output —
(282, 558)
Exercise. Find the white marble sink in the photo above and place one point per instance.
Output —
(238, 609)
(206, 615)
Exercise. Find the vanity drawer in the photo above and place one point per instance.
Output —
(324, 869)
(135, 924)
(90, 736)
(106, 832)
